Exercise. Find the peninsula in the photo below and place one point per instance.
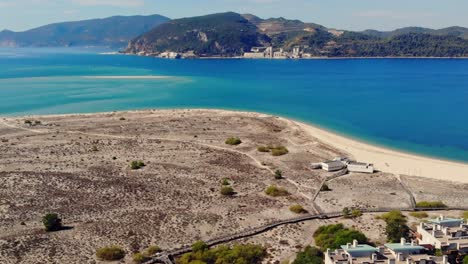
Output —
(171, 177)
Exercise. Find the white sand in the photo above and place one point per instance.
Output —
(127, 77)
(392, 161)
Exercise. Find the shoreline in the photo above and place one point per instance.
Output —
(385, 159)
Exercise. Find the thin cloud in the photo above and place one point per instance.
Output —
(118, 3)
(392, 14)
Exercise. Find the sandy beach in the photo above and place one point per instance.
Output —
(391, 161)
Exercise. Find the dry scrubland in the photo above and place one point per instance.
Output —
(78, 166)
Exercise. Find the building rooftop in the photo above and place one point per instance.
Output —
(403, 247)
(442, 221)
(334, 163)
(358, 248)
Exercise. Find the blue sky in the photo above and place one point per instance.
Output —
(343, 14)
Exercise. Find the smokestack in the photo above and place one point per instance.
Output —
(403, 241)
(355, 243)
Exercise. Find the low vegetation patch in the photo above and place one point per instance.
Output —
(111, 253)
(152, 250)
(351, 213)
(310, 255)
(233, 141)
(275, 150)
(137, 164)
(278, 175)
(225, 182)
(433, 204)
(298, 209)
(396, 226)
(419, 215)
(465, 215)
(276, 191)
(238, 253)
(333, 236)
(139, 258)
(227, 191)
(52, 222)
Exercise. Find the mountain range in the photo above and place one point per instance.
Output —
(113, 32)
(231, 34)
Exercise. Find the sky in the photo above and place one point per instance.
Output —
(19, 15)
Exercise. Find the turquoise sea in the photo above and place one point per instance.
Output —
(414, 105)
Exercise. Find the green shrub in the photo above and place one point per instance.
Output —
(465, 260)
(152, 250)
(111, 253)
(227, 191)
(333, 236)
(139, 257)
(298, 209)
(52, 222)
(310, 255)
(356, 213)
(419, 215)
(263, 149)
(465, 215)
(237, 254)
(433, 204)
(276, 191)
(438, 253)
(137, 164)
(279, 151)
(278, 175)
(225, 182)
(199, 246)
(346, 212)
(233, 141)
(325, 188)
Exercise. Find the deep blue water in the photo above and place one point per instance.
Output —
(415, 105)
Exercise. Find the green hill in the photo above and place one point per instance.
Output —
(114, 32)
(224, 34)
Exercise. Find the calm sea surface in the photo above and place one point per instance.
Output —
(415, 105)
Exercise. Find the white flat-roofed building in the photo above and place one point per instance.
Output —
(446, 234)
(398, 253)
(333, 165)
(362, 167)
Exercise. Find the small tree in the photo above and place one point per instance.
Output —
(310, 255)
(227, 191)
(52, 222)
(111, 253)
(278, 175)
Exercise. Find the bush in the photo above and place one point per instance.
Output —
(276, 191)
(263, 149)
(465, 215)
(227, 191)
(233, 141)
(434, 204)
(238, 254)
(396, 226)
(419, 215)
(111, 253)
(139, 257)
(325, 188)
(279, 151)
(346, 212)
(225, 182)
(52, 222)
(28, 122)
(310, 255)
(356, 213)
(199, 246)
(465, 260)
(152, 250)
(298, 209)
(333, 236)
(136, 165)
(278, 175)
